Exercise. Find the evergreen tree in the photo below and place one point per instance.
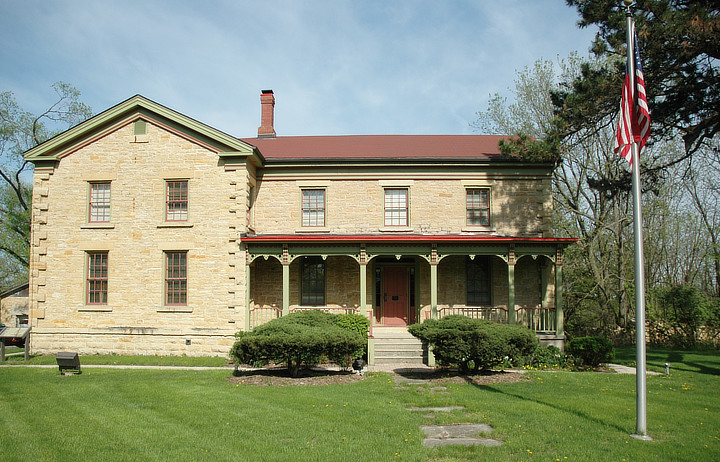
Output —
(679, 44)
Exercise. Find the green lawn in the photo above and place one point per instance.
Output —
(108, 414)
(15, 356)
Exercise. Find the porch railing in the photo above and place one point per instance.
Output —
(539, 319)
(489, 313)
(327, 309)
(261, 314)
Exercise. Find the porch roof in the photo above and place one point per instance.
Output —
(397, 238)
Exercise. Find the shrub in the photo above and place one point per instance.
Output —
(474, 344)
(299, 340)
(549, 357)
(591, 351)
(355, 323)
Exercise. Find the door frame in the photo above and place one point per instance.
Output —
(412, 290)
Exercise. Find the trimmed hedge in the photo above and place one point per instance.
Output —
(591, 351)
(474, 344)
(355, 323)
(300, 339)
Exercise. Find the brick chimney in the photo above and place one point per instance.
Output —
(267, 114)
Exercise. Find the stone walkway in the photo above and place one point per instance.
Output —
(628, 370)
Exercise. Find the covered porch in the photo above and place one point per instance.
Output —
(396, 280)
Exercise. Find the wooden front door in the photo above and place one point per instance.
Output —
(395, 296)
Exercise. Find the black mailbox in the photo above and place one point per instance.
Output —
(68, 361)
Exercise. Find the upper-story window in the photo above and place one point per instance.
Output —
(313, 207)
(176, 200)
(478, 207)
(99, 206)
(396, 207)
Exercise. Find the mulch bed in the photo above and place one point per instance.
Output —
(279, 377)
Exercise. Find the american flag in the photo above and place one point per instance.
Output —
(634, 123)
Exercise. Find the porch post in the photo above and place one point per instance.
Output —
(247, 292)
(511, 285)
(559, 315)
(363, 288)
(433, 296)
(363, 281)
(285, 281)
(363, 307)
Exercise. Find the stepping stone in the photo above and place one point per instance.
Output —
(438, 389)
(437, 442)
(410, 381)
(455, 431)
(460, 435)
(435, 409)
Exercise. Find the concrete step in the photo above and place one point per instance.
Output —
(414, 361)
(395, 345)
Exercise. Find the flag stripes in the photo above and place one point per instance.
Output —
(634, 122)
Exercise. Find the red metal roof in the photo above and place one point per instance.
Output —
(479, 147)
(395, 238)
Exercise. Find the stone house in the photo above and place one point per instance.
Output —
(153, 233)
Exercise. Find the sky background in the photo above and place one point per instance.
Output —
(336, 67)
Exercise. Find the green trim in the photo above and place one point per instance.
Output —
(286, 288)
(374, 171)
(247, 296)
(139, 127)
(149, 110)
(363, 288)
(511, 293)
(559, 314)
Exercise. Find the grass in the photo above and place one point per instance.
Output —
(108, 414)
(16, 357)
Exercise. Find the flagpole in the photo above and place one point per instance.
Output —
(640, 368)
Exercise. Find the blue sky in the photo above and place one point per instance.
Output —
(336, 67)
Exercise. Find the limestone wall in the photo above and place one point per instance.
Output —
(519, 206)
(135, 240)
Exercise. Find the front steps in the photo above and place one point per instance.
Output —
(395, 345)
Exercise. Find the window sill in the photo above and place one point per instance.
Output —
(178, 224)
(478, 229)
(396, 229)
(96, 308)
(174, 309)
(313, 229)
(97, 226)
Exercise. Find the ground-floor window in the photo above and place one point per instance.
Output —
(97, 278)
(478, 280)
(312, 280)
(176, 278)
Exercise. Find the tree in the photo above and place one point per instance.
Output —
(680, 52)
(20, 131)
(591, 204)
(596, 266)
